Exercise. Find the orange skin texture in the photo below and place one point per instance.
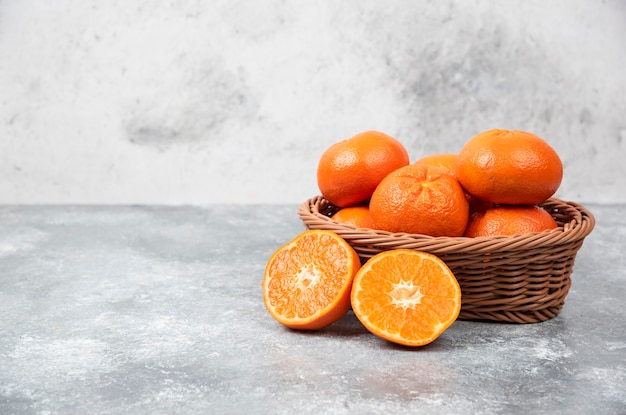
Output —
(509, 167)
(308, 281)
(505, 220)
(420, 199)
(357, 216)
(447, 161)
(349, 170)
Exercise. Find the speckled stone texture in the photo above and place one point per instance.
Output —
(110, 310)
(233, 101)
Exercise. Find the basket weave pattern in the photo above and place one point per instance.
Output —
(514, 279)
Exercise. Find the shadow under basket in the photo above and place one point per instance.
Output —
(511, 279)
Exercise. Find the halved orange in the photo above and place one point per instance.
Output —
(406, 297)
(307, 282)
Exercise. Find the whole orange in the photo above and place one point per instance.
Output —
(509, 220)
(509, 167)
(419, 198)
(357, 216)
(447, 161)
(349, 170)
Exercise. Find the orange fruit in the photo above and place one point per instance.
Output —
(446, 161)
(349, 170)
(509, 220)
(407, 297)
(357, 216)
(307, 281)
(509, 167)
(420, 199)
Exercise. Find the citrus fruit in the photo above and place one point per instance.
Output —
(407, 297)
(349, 170)
(307, 281)
(509, 220)
(446, 161)
(420, 199)
(357, 216)
(509, 167)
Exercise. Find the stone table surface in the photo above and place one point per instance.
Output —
(159, 310)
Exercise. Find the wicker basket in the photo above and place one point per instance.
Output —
(516, 279)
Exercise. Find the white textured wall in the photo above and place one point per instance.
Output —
(234, 101)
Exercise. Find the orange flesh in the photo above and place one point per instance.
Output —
(307, 282)
(406, 297)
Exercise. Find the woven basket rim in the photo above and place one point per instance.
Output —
(580, 222)
(517, 279)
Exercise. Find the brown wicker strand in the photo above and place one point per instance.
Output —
(516, 279)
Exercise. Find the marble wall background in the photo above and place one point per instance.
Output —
(190, 102)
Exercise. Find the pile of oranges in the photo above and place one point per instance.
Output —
(492, 187)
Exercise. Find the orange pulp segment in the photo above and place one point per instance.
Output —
(307, 282)
(406, 297)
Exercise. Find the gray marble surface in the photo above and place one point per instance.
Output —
(135, 309)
